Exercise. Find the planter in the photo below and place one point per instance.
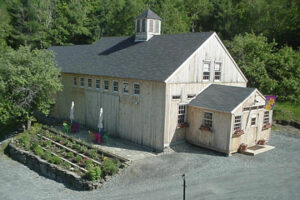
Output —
(205, 128)
(243, 147)
(261, 142)
(183, 125)
(238, 133)
(267, 126)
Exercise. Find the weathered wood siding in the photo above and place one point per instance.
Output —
(217, 139)
(252, 134)
(137, 118)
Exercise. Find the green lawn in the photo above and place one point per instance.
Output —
(286, 111)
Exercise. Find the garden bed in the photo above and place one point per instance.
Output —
(57, 156)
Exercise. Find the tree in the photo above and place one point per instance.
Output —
(5, 27)
(28, 83)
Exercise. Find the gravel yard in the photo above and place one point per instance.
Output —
(271, 175)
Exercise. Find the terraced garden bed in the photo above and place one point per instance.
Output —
(57, 156)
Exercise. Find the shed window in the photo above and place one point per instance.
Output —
(181, 114)
(116, 86)
(237, 123)
(81, 82)
(106, 85)
(253, 121)
(207, 119)
(150, 25)
(143, 25)
(97, 83)
(176, 97)
(189, 96)
(138, 26)
(266, 117)
(206, 71)
(217, 71)
(125, 87)
(89, 82)
(136, 88)
(75, 81)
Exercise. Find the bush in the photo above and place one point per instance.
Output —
(94, 173)
(76, 146)
(83, 149)
(58, 138)
(110, 166)
(78, 159)
(56, 160)
(66, 165)
(25, 140)
(47, 143)
(88, 164)
(46, 155)
(70, 155)
(34, 145)
(93, 153)
(38, 150)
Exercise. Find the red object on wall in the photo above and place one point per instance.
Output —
(98, 138)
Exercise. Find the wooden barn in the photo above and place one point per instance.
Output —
(156, 89)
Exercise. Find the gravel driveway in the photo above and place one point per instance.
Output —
(271, 175)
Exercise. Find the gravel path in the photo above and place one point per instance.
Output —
(271, 175)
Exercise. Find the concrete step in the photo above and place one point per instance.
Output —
(257, 149)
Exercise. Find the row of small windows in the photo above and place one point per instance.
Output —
(207, 73)
(238, 121)
(153, 25)
(106, 85)
(189, 96)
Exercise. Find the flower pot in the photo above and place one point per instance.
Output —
(262, 142)
(243, 147)
(205, 128)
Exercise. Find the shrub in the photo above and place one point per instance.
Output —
(110, 166)
(36, 128)
(38, 150)
(83, 149)
(70, 155)
(94, 173)
(76, 146)
(93, 153)
(56, 160)
(46, 155)
(25, 139)
(66, 165)
(78, 159)
(88, 164)
(47, 143)
(34, 145)
(58, 138)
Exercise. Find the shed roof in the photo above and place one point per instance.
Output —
(149, 14)
(221, 97)
(122, 57)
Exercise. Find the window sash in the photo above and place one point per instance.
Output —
(74, 81)
(143, 25)
(206, 71)
(253, 121)
(136, 88)
(138, 26)
(82, 82)
(208, 119)
(116, 86)
(237, 123)
(181, 114)
(89, 82)
(266, 117)
(125, 87)
(106, 85)
(97, 83)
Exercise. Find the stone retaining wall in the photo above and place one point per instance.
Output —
(291, 123)
(70, 179)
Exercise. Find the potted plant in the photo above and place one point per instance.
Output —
(262, 142)
(238, 132)
(205, 128)
(243, 147)
(183, 125)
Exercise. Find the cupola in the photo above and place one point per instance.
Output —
(147, 25)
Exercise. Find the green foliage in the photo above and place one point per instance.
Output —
(93, 153)
(28, 81)
(83, 149)
(88, 164)
(78, 159)
(110, 166)
(70, 155)
(25, 140)
(34, 144)
(94, 173)
(76, 146)
(46, 155)
(38, 150)
(287, 111)
(47, 143)
(56, 160)
(58, 138)
(66, 165)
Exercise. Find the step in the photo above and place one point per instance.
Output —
(257, 149)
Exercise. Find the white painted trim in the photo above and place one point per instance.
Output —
(136, 83)
(105, 90)
(178, 68)
(91, 83)
(96, 83)
(113, 87)
(243, 101)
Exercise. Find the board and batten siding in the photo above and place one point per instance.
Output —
(139, 119)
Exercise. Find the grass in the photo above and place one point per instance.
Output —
(286, 111)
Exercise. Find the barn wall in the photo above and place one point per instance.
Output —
(252, 134)
(217, 139)
(137, 118)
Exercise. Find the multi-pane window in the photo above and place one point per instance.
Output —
(143, 25)
(98, 84)
(217, 71)
(75, 81)
(176, 97)
(266, 117)
(237, 123)
(138, 26)
(106, 85)
(156, 26)
(89, 82)
(207, 119)
(125, 87)
(253, 121)
(189, 96)
(116, 86)
(81, 82)
(206, 71)
(151, 25)
(181, 114)
(136, 88)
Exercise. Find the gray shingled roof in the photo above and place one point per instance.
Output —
(121, 57)
(221, 97)
(149, 14)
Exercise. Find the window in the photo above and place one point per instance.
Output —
(266, 117)
(136, 88)
(98, 84)
(89, 82)
(207, 119)
(217, 71)
(253, 121)
(143, 25)
(150, 25)
(75, 81)
(206, 71)
(138, 25)
(237, 123)
(81, 82)
(106, 85)
(189, 96)
(181, 114)
(156, 26)
(116, 86)
(125, 87)
(176, 97)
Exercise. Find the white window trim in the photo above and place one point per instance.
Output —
(267, 117)
(135, 83)
(255, 121)
(206, 62)
(80, 82)
(212, 118)
(240, 122)
(106, 90)
(185, 112)
(113, 87)
(88, 83)
(221, 67)
(96, 84)
(123, 88)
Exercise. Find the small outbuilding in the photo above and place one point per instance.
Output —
(224, 117)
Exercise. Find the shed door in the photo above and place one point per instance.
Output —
(110, 105)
